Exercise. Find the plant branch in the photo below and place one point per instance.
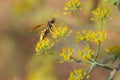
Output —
(98, 50)
(113, 72)
(77, 18)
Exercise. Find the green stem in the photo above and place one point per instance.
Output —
(76, 60)
(101, 21)
(95, 64)
(70, 43)
(77, 18)
(58, 57)
(99, 44)
(55, 55)
(91, 67)
(98, 50)
(87, 44)
(113, 72)
(101, 24)
(104, 66)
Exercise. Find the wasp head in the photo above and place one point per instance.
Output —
(53, 20)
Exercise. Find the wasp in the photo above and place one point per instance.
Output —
(46, 30)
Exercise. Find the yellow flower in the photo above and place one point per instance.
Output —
(77, 37)
(85, 35)
(66, 53)
(72, 5)
(43, 45)
(114, 50)
(79, 74)
(60, 32)
(99, 37)
(100, 13)
(85, 54)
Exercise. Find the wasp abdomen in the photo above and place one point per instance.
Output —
(44, 33)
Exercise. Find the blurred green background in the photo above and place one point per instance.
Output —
(17, 55)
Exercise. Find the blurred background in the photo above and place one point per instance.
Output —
(17, 55)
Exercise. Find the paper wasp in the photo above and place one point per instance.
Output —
(48, 28)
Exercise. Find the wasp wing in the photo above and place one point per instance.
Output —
(36, 27)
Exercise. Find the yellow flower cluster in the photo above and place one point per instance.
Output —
(97, 37)
(72, 5)
(79, 74)
(43, 46)
(66, 53)
(100, 13)
(114, 50)
(83, 36)
(85, 54)
(60, 32)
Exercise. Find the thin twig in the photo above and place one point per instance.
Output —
(113, 72)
